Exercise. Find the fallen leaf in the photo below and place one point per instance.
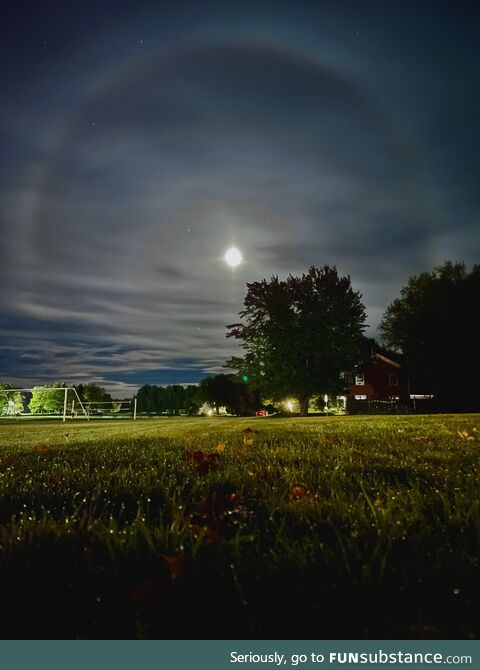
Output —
(299, 491)
(41, 449)
(203, 462)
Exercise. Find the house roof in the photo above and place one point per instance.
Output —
(386, 360)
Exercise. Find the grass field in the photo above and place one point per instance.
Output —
(342, 527)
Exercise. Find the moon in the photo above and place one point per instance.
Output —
(233, 257)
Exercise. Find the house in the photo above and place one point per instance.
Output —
(377, 379)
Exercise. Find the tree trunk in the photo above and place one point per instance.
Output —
(304, 402)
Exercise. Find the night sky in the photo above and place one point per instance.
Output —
(139, 141)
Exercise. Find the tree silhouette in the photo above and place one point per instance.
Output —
(299, 334)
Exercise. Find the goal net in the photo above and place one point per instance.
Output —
(112, 409)
(41, 402)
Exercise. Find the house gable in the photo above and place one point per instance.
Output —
(383, 379)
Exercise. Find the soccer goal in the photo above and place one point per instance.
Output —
(42, 403)
(112, 409)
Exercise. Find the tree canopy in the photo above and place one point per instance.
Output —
(92, 393)
(228, 391)
(48, 398)
(299, 334)
(435, 323)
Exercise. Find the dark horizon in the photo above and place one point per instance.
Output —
(142, 141)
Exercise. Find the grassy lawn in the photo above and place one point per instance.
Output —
(342, 527)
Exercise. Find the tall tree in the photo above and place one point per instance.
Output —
(147, 399)
(435, 323)
(299, 334)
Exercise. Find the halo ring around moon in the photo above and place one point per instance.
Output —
(328, 79)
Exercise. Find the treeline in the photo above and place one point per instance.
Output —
(221, 391)
(174, 399)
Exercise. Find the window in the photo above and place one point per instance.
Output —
(348, 379)
(360, 380)
(360, 397)
(392, 379)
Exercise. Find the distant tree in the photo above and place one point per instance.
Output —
(227, 391)
(191, 400)
(216, 390)
(92, 393)
(48, 398)
(173, 399)
(299, 335)
(147, 397)
(435, 323)
(10, 403)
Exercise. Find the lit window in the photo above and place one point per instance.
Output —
(392, 379)
(360, 397)
(360, 380)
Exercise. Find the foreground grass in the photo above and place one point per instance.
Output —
(346, 527)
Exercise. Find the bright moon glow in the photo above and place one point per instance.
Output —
(233, 257)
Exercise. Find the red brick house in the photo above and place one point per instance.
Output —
(377, 379)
